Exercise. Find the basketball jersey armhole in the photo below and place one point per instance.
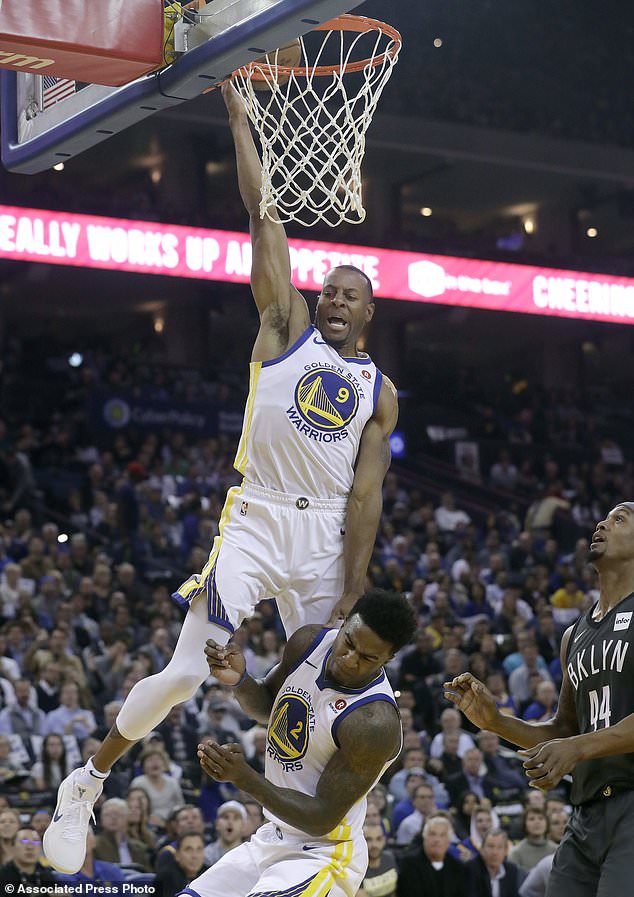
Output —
(575, 627)
(291, 349)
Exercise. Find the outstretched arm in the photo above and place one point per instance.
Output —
(478, 705)
(552, 748)
(369, 737)
(283, 311)
(366, 499)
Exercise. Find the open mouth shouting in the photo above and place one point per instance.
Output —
(336, 325)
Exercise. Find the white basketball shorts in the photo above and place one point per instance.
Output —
(274, 862)
(272, 545)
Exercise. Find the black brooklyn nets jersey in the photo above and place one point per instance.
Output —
(600, 664)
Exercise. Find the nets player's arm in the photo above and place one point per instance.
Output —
(283, 310)
(366, 497)
(548, 762)
(369, 737)
(478, 704)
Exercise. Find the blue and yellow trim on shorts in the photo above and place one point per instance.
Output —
(205, 581)
(320, 884)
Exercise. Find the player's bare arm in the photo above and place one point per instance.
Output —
(256, 697)
(366, 498)
(369, 737)
(546, 763)
(283, 310)
(477, 703)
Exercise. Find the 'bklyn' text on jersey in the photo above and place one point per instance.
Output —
(588, 662)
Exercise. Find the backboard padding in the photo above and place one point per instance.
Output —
(97, 113)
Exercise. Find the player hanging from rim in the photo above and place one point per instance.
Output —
(314, 452)
(333, 729)
(592, 732)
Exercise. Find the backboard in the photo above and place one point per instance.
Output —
(211, 42)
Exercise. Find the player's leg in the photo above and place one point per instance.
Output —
(234, 559)
(146, 706)
(299, 865)
(274, 862)
(577, 862)
(616, 869)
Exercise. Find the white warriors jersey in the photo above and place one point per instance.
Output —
(304, 418)
(302, 732)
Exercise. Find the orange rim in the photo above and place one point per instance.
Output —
(344, 22)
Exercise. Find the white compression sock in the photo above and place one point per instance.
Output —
(92, 770)
(152, 698)
(91, 779)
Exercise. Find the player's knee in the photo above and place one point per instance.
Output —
(180, 688)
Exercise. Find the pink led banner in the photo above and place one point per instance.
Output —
(148, 248)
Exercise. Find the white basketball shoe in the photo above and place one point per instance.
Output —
(64, 840)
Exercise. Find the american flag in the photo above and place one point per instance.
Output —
(55, 89)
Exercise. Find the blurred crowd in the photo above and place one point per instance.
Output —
(555, 71)
(85, 611)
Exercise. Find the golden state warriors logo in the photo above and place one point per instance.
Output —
(289, 728)
(326, 399)
(116, 413)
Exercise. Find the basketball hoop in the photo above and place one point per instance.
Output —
(312, 119)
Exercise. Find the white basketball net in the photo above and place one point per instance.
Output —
(312, 131)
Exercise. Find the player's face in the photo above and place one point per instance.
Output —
(357, 654)
(343, 308)
(613, 539)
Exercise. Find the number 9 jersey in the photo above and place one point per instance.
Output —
(304, 418)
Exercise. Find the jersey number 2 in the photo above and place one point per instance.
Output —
(600, 713)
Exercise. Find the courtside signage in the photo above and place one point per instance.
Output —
(148, 248)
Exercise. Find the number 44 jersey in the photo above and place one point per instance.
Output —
(600, 666)
(304, 418)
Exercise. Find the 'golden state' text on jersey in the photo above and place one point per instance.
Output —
(304, 418)
(302, 732)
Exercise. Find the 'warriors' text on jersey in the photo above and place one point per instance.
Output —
(304, 418)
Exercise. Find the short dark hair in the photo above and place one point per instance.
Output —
(191, 833)
(354, 268)
(176, 813)
(389, 615)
